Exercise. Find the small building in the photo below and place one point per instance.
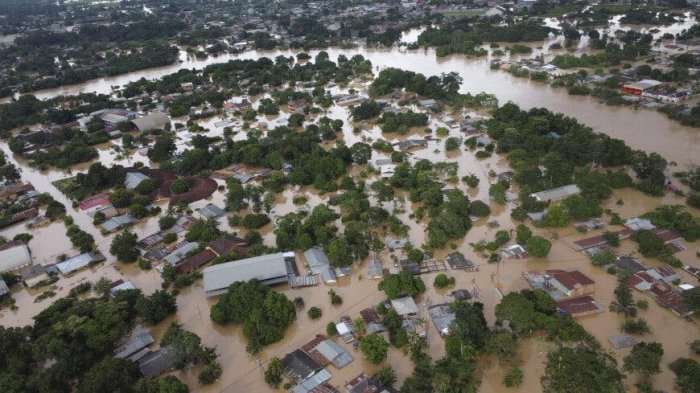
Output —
(375, 271)
(211, 211)
(410, 267)
(409, 144)
(135, 343)
(639, 224)
(442, 316)
(664, 273)
(152, 121)
(195, 261)
(429, 103)
(316, 259)
(629, 264)
(515, 251)
(461, 295)
(457, 260)
(620, 341)
(298, 366)
(133, 179)
(637, 88)
(94, 202)
(228, 245)
(33, 275)
(156, 362)
(326, 351)
(269, 269)
(117, 222)
(557, 194)
(404, 306)
(573, 283)
(578, 306)
(315, 383)
(692, 270)
(14, 255)
(640, 281)
(79, 261)
(120, 285)
(364, 384)
(180, 253)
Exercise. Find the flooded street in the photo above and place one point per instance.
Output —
(640, 129)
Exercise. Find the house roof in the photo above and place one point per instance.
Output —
(315, 257)
(622, 341)
(458, 261)
(120, 285)
(630, 264)
(135, 344)
(404, 305)
(638, 224)
(461, 294)
(578, 305)
(117, 222)
(298, 365)
(179, 254)
(374, 269)
(311, 383)
(79, 262)
(410, 267)
(151, 121)
(133, 179)
(33, 271)
(4, 289)
(14, 254)
(334, 352)
(557, 194)
(212, 211)
(571, 280)
(442, 316)
(194, 261)
(94, 201)
(269, 269)
(226, 245)
(156, 362)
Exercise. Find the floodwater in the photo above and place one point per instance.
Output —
(242, 372)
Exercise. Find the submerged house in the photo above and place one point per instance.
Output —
(269, 269)
(14, 255)
(318, 263)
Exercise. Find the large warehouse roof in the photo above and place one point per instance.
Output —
(13, 255)
(151, 121)
(269, 269)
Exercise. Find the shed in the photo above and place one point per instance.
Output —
(33, 275)
(133, 179)
(151, 121)
(13, 255)
(269, 269)
(404, 306)
(211, 211)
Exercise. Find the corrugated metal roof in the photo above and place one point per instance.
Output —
(79, 262)
(310, 383)
(151, 121)
(3, 288)
(133, 179)
(316, 257)
(13, 256)
(404, 305)
(557, 194)
(263, 267)
(335, 353)
(176, 256)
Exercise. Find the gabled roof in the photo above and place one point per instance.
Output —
(404, 305)
(298, 365)
(571, 280)
(14, 254)
(151, 121)
(212, 211)
(226, 245)
(316, 258)
(4, 289)
(269, 269)
(79, 262)
(133, 179)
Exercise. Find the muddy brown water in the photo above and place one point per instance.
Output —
(641, 129)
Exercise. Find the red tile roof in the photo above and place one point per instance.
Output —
(571, 280)
(93, 201)
(667, 235)
(578, 305)
(194, 261)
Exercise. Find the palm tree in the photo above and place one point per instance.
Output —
(623, 303)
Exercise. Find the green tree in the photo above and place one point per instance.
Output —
(522, 234)
(156, 307)
(386, 376)
(397, 285)
(124, 247)
(538, 246)
(110, 375)
(339, 252)
(687, 374)
(374, 348)
(573, 370)
(623, 303)
(443, 281)
(603, 257)
(502, 344)
(315, 313)
(691, 297)
(179, 186)
(361, 152)
(514, 377)
(102, 287)
(644, 359)
(273, 373)
(162, 149)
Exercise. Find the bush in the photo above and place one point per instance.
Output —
(451, 144)
(538, 246)
(315, 313)
(169, 238)
(603, 257)
(179, 186)
(514, 377)
(443, 281)
(166, 222)
(255, 221)
(635, 326)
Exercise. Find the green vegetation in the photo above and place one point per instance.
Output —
(374, 348)
(397, 285)
(264, 313)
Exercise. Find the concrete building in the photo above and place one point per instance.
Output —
(270, 269)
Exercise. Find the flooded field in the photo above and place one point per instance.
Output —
(646, 130)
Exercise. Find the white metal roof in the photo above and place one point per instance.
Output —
(263, 268)
(15, 256)
(557, 194)
(404, 305)
(78, 262)
(176, 256)
(133, 179)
